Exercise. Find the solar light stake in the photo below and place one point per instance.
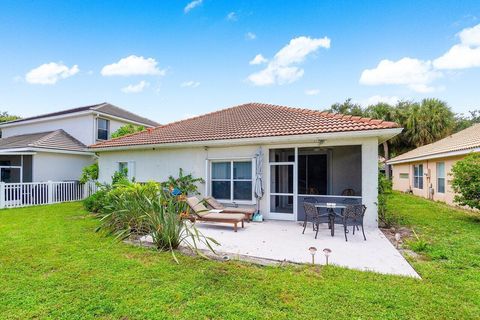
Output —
(313, 250)
(327, 253)
(397, 238)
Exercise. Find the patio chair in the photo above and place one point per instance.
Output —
(201, 213)
(212, 202)
(354, 214)
(348, 192)
(312, 215)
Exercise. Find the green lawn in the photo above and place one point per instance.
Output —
(53, 265)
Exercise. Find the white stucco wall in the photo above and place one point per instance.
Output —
(158, 164)
(58, 166)
(80, 127)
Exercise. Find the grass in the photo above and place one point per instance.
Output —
(52, 265)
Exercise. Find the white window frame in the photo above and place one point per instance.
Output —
(98, 128)
(232, 180)
(417, 176)
(444, 178)
(130, 168)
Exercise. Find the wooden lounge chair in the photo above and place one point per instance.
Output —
(203, 214)
(212, 202)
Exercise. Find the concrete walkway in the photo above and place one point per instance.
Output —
(282, 240)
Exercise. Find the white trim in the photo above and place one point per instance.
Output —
(434, 156)
(72, 115)
(290, 139)
(209, 179)
(106, 115)
(37, 149)
(13, 153)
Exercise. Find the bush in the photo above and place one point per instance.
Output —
(466, 181)
(384, 189)
(186, 184)
(129, 209)
(89, 173)
(97, 201)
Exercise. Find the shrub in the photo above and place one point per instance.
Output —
(384, 189)
(97, 201)
(127, 203)
(466, 181)
(186, 184)
(89, 173)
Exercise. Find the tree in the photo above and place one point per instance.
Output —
(382, 111)
(462, 122)
(466, 181)
(127, 129)
(5, 116)
(347, 107)
(429, 121)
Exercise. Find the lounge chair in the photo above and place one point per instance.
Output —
(212, 202)
(201, 213)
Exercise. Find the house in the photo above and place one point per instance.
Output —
(306, 153)
(425, 171)
(54, 146)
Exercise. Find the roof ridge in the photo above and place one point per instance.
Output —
(46, 137)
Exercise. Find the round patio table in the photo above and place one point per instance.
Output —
(332, 214)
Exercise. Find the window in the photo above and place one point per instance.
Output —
(441, 177)
(232, 180)
(129, 167)
(103, 127)
(403, 175)
(418, 176)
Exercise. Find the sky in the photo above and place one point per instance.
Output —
(169, 60)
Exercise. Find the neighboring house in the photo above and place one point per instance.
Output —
(306, 153)
(426, 170)
(54, 146)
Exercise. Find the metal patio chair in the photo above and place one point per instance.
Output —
(354, 214)
(312, 215)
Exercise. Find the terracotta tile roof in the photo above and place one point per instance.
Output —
(464, 140)
(251, 120)
(58, 139)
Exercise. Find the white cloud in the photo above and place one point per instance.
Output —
(258, 59)
(377, 99)
(190, 84)
(50, 73)
(131, 66)
(192, 5)
(232, 16)
(280, 70)
(470, 36)
(459, 57)
(250, 36)
(415, 74)
(312, 92)
(136, 88)
(464, 55)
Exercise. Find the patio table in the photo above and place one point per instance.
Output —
(331, 213)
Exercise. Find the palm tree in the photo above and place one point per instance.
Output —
(428, 122)
(382, 111)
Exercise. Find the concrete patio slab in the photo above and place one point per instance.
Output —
(283, 240)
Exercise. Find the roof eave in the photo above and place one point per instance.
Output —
(434, 156)
(381, 134)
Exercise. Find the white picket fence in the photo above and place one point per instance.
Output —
(15, 195)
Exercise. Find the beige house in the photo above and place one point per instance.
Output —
(425, 171)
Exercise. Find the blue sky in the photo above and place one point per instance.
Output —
(168, 60)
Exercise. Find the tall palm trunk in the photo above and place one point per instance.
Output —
(387, 157)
